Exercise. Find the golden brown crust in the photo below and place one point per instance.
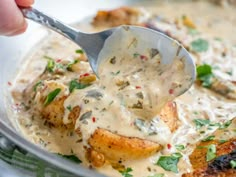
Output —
(117, 148)
(54, 112)
(200, 165)
(116, 17)
(169, 115)
(74, 114)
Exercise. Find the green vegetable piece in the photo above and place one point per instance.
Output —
(225, 125)
(222, 141)
(69, 66)
(169, 163)
(76, 85)
(72, 158)
(201, 122)
(203, 70)
(211, 152)
(157, 175)
(51, 96)
(179, 147)
(37, 85)
(79, 51)
(200, 45)
(233, 163)
(50, 65)
(204, 74)
(126, 172)
(209, 138)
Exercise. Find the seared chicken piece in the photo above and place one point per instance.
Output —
(116, 17)
(116, 148)
(220, 166)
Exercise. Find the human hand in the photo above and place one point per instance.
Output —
(12, 21)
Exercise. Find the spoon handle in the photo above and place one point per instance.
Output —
(50, 22)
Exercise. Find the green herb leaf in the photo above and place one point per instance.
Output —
(76, 85)
(201, 122)
(233, 163)
(50, 65)
(72, 158)
(69, 66)
(37, 85)
(51, 96)
(209, 138)
(126, 172)
(115, 73)
(200, 45)
(157, 175)
(225, 125)
(69, 108)
(79, 51)
(203, 70)
(211, 152)
(169, 163)
(222, 141)
(179, 147)
(205, 75)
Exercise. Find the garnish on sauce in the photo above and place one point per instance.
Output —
(50, 65)
(211, 152)
(205, 75)
(169, 163)
(209, 138)
(233, 163)
(79, 51)
(51, 96)
(157, 175)
(126, 172)
(74, 84)
(179, 147)
(200, 45)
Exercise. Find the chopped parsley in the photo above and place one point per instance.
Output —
(222, 141)
(115, 73)
(205, 75)
(157, 175)
(200, 45)
(76, 85)
(211, 152)
(69, 66)
(72, 158)
(205, 122)
(209, 138)
(179, 147)
(233, 163)
(69, 108)
(39, 83)
(169, 163)
(225, 125)
(79, 51)
(201, 122)
(126, 172)
(50, 65)
(51, 96)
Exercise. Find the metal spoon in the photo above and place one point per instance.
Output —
(96, 44)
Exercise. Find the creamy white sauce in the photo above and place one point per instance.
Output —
(119, 116)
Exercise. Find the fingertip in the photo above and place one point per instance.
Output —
(24, 3)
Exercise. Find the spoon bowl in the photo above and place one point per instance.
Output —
(98, 45)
